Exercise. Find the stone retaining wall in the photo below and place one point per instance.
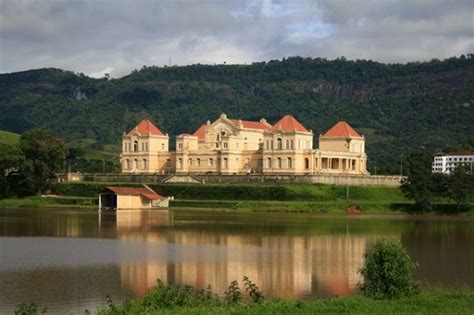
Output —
(250, 179)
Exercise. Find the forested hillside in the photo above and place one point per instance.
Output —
(400, 108)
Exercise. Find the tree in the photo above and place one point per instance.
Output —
(461, 186)
(419, 182)
(44, 155)
(10, 161)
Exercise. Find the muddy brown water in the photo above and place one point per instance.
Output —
(69, 260)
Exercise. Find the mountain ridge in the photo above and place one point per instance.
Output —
(399, 107)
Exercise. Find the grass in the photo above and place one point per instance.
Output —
(9, 138)
(41, 202)
(337, 207)
(434, 301)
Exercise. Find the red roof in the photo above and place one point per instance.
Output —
(288, 123)
(200, 132)
(342, 129)
(250, 124)
(146, 127)
(134, 192)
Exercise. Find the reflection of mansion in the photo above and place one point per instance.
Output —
(231, 146)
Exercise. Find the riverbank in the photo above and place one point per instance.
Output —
(435, 301)
(316, 198)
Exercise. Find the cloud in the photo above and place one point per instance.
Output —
(115, 37)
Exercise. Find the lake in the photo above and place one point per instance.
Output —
(69, 260)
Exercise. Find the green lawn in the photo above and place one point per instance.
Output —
(9, 138)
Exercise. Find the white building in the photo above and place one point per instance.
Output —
(447, 162)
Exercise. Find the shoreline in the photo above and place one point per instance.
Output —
(428, 301)
(321, 208)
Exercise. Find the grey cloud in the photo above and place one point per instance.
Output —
(119, 35)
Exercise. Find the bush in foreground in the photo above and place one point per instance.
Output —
(388, 272)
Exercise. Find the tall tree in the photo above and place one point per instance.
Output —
(461, 185)
(44, 155)
(419, 182)
(11, 159)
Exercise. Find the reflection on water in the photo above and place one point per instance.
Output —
(70, 260)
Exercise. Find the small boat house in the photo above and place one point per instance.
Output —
(130, 198)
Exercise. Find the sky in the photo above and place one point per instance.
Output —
(96, 37)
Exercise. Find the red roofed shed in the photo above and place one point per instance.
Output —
(117, 198)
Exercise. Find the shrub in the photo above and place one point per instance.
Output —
(233, 294)
(255, 294)
(388, 271)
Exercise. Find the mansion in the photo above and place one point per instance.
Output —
(234, 146)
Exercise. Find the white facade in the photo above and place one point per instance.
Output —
(447, 162)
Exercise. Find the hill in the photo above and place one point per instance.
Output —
(9, 137)
(399, 107)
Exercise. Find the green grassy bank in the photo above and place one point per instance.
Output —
(316, 198)
(41, 202)
(315, 192)
(438, 301)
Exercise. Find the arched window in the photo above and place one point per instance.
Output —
(135, 146)
(279, 144)
(278, 162)
(269, 162)
(127, 164)
(306, 163)
(290, 163)
(135, 166)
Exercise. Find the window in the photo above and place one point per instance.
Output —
(211, 162)
(290, 163)
(217, 145)
(129, 147)
(180, 146)
(163, 146)
(145, 164)
(287, 144)
(278, 162)
(292, 144)
(269, 162)
(135, 146)
(306, 163)
(198, 162)
(127, 164)
(190, 162)
(135, 166)
(225, 145)
(180, 163)
(143, 146)
(279, 144)
(125, 147)
(226, 163)
(146, 146)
